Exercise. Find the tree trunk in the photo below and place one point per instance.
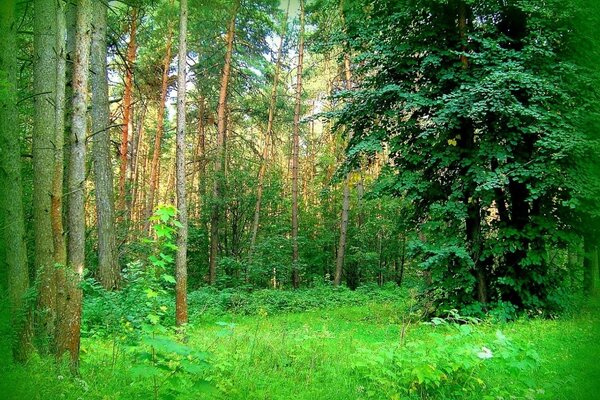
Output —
(12, 223)
(296, 150)
(590, 267)
(60, 250)
(108, 265)
(268, 135)
(69, 331)
(181, 315)
(220, 150)
(127, 95)
(44, 85)
(339, 264)
(160, 126)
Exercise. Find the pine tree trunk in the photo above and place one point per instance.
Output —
(108, 265)
(219, 167)
(268, 137)
(60, 250)
(44, 85)
(181, 314)
(12, 233)
(296, 150)
(160, 126)
(69, 331)
(127, 99)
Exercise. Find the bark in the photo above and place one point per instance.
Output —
(181, 314)
(268, 135)
(60, 250)
(219, 167)
(160, 126)
(137, 212)
(12, 223)
(339, 264)
(200, 158)
(44, 81)
(127, 96)
(69, 331)
(108, 265)
(296, 150)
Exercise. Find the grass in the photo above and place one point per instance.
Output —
(313, 355)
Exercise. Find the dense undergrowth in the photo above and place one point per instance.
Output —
(367, 344)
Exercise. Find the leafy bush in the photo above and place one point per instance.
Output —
(210, 301)
(447, 363)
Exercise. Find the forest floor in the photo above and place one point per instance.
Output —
(355, 352)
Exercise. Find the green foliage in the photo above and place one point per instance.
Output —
(476, 104)
(448, 363)
(213, 302)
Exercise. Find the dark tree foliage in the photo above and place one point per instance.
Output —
(477, 103)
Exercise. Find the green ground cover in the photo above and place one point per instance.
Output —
(375, 350)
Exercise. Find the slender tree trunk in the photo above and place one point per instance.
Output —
(108, 264)
(44, 85)
(199, 158)
(12, 223)
(127, 96)
(160, 126)
(220, 162)
(341, 253)
(138, 211)
(60, 249)
(268, 135)
(181, 314)
(296, 151)
(590, 267)
(69, 331)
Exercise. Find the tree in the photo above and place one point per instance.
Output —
(44, 85)
(12, 221)
(268, 136)
(219, 168)
(296, 150)
(69, 331)
(339, 263)
(108, 263)
(476, 93)
(181, 316)
(155, 166)
(127, 106)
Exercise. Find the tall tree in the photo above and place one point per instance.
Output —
(44, 85)
(181, 315)
(268, 136)
(296, 150)
(160, 124)
(339, 262)
(12, 228)
(127, 105)
(69, 331)
(108, 265)
(219, 168)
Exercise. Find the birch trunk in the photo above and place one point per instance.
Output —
(181, 314)
(296, 150)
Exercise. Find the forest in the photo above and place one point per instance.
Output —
(300, 199)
